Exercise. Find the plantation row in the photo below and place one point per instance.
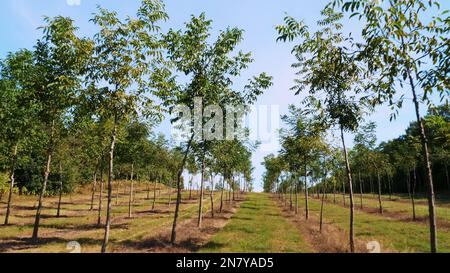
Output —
(75, 110)
(389, 169)
(402, 53)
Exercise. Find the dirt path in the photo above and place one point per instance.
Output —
(190, 238)
(330, 240)
(258, 227)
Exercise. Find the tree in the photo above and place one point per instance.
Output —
(129, 152)
(437, 124)
(365, 141)
(404, 46)
(192, 169)
(59, 58)
(210, 70)
(158, 163)
(405, 152)
(300, 145)
(17, 110)
(333, 77)
(125, 52)
(274, 167)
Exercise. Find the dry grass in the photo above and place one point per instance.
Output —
(79, 224)
(330, 240)
(190, 238)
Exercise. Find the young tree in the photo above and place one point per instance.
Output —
(159, 162)
(300, 145)
(125, 52)
(17, 110)
(332, 77)
(61, 56)
(130, 152)
(210, 69)
(365, 141)
(274, 167)
(405, 156)
(193, 170)
(404, 46)
(212, 194)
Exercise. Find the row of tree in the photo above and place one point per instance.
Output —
(86, 107)
(402, 50)
(311, 160)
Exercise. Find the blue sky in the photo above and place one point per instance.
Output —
(21, 18)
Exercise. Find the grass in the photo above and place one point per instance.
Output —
(79, 224)
(257, 227)
(401, 205)
(393, 234)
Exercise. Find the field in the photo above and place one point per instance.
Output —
(255, 222)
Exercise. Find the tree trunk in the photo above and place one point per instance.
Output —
(221, 194)
(170, 193)
(212, 197)
(11, 185)
(94, 186)
(426, 161)
(408, 184)
(100, 198)
(389, 187)
(154, 193)
(380, 204)
(352, 209)
(343, 193)
(447, 176)
(177, 205)
(334, 192)
(285, 197)
(190, 188)
(413, 196)
(296, 198)
(148, 189)
(360, 189)
(228, 190)
(372, 191)
(291, 205)
(200, 206)
(125, 187)
(130, 201)
(317, 191)
(117, 192)
(35, 236)
(233, 188)
(110, 181)
(321, 209)
(429, 180)
(306, 194)
(58, 213)
(238, 187)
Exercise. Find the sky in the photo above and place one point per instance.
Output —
(20, 20)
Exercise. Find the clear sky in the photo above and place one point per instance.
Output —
(19, 20)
